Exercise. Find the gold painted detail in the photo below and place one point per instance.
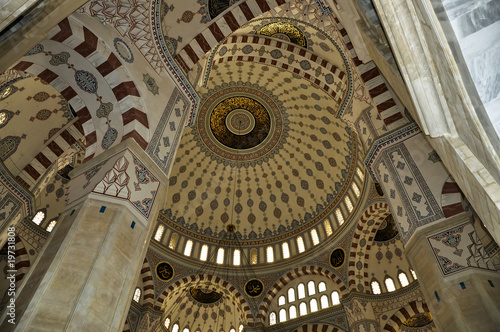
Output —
(230, 136)
(337, 258)
(283, 30)
(254, 287)
(164, 271)
(419, 320)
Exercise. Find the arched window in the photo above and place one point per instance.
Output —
(159, 232)
(38, 218)
(220, 256)
(314, 237)
(240, 328)
(335, 298)
(300, 244)
(340, 217)
(188, 247)
(291, 295)
(175, 328)
(286, 250)
(236, 257)
(403, 279)
(375, 287)
(272, 318)
(293, 312)
(324, 302)
(322, 286)
(282, 315)
(281, 300)
(253, 256)
(413, 274)
(360, 174)
(270, 254)
(186, 329)
(301, 290)
(173, 241)
(311, 288)
(303, 309)
(167, 322)
(313, 304)
(51, 226)
(137, 294)
(328, 227)
(389, 283)
(356, 189)
(232, 330)
(348, 203)
(204, 252)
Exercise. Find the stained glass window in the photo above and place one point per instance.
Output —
(236, 257)
(335, 298)
(51, 226)
(282, 315)
(173, 241)
(413, 274)
(270, 254)
(220, 256)
(328, 227)
(340, 217)
(356, 189)
(301, 291)
(403, 279)
(159, 232)
(324, 302)
(187, 249)
(175, 328)
(314, 237)
(253, 256)
(300, 244)
(137, 294)
(375, 287)
(348, 203)
(38, 218)
(286, 251)
(272, 318)
(389, 283)
(311, 288)
(204, 252)
(313, 304)
(167, 322)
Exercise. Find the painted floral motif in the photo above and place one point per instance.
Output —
(59, 59)
(150, 84)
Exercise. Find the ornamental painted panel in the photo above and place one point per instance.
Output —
(163, 145)
(128, 179)
(459, 248)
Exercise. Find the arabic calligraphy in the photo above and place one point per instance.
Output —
(164, 271)
(254, 287)
(337, 258)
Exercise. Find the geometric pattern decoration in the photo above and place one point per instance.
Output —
(458, 249)
(168, 131)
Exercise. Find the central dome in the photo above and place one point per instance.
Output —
(240, 122)
(267, 154)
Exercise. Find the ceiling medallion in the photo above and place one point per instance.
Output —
(205, 296)
(254, 287)
(337, 258)
(241, 123)
(164, 271)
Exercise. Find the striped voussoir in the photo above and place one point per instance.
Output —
(296, 273)
(299, 53)
(221, 28)
(214, 283)
(390, 112)
(451, 198)
(402, 315)
(317, 328)
(376, 212)
(77, 37)
(22, 260)
(148, 290)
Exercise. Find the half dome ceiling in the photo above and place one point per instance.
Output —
(294, 164)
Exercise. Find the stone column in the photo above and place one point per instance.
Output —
(457, 277)
(85, 275)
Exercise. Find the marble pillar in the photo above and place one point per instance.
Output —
(456, 274)
(84, 277)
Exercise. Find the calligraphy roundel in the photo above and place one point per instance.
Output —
(164, 271)
(337, 258)
(254, 287)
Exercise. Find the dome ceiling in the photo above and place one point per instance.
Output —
(266, 153)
